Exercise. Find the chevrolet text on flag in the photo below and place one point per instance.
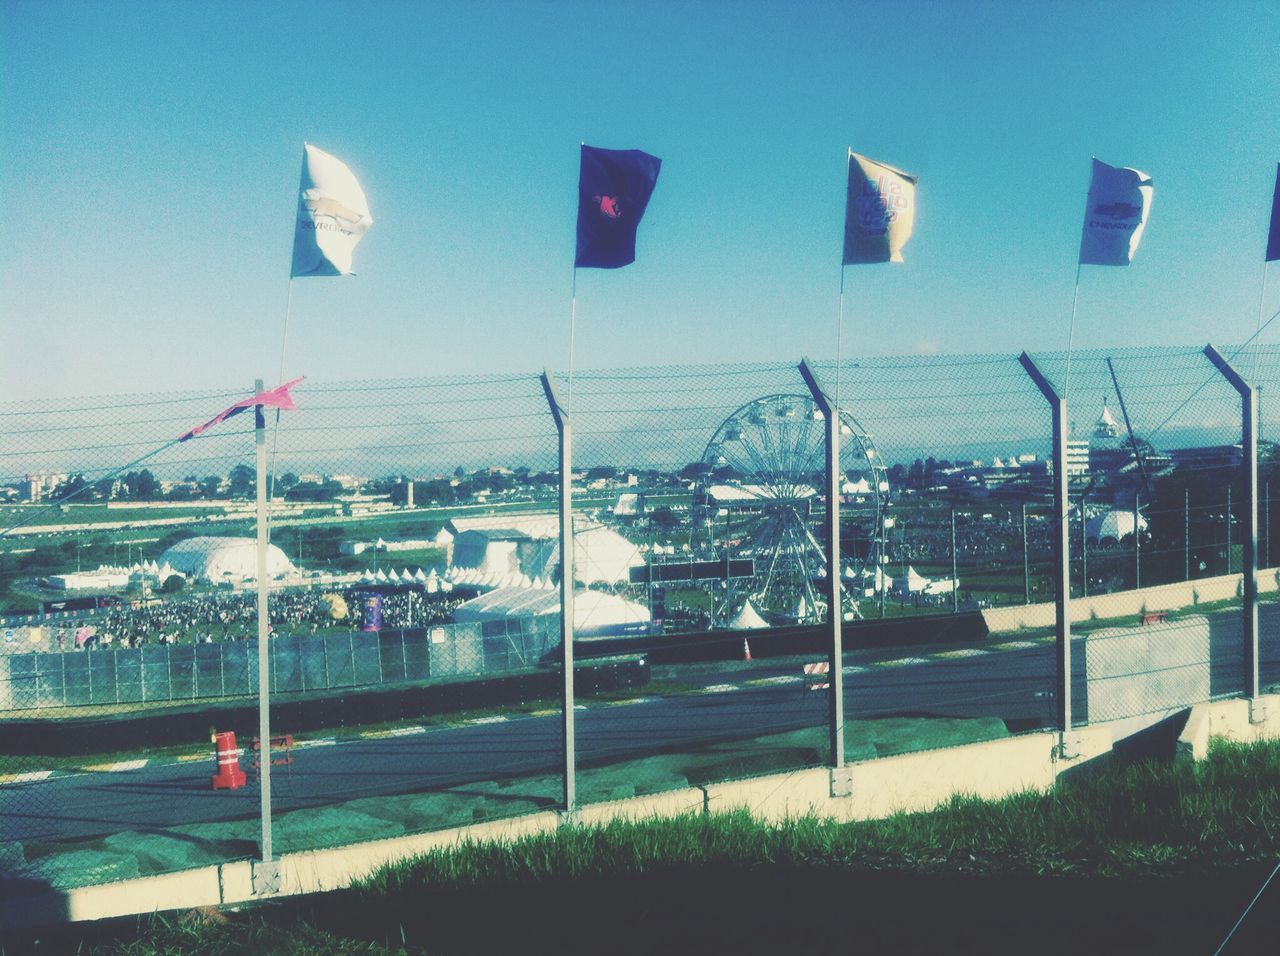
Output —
(333, 216)
(1115, 215)
(614, 186)
(880, 210)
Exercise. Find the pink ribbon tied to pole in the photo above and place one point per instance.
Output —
(277, 397)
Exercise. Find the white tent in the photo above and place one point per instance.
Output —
(601, 555)
(806, 609)
(1113, 525)
(222, 559)
(912, 583)
(747, 619)
(595, 613)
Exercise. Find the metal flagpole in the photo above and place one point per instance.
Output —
(1071, 332)
(840, 336)
(1262, 299)
(275, 431)
(573, 326)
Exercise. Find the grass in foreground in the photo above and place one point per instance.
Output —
(1158, 857)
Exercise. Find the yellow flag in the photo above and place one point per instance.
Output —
(880, 210)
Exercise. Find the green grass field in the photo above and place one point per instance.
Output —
(1147, 857)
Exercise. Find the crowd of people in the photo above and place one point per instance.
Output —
(229, 617)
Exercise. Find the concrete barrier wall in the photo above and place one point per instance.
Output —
(908, 782)
(1164, 597)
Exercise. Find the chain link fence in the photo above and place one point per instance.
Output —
(416, 661)
(1155, 529)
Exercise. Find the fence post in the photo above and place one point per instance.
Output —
(1067, 745)
(955, 575)
(841, 778)
(881, 560)
(1137, 547)
(1249, 537)
(1186, 534)
(63, 662)
(1084, 545)
(561, 416)
(1026, 559)
(266, 874)
(1228, 529)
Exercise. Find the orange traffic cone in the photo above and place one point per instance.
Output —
(229, 775)
(746, 650)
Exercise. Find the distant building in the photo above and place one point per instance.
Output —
(1208, 456)
(629, 504)
(1077, 457)
(38, 487)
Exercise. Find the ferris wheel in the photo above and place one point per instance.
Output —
(761, 496)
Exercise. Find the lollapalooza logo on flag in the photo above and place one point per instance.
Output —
(880, 203)
(608, 206)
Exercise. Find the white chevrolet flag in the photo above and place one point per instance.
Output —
(1115, 215)
(333, 215)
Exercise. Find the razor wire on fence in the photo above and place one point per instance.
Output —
(415, 657)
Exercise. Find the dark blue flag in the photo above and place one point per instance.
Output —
(614, 187)
(1273, 239)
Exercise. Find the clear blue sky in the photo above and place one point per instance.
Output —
(149, 155)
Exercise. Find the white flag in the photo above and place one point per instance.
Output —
(880, 211)
(333, 215)
(1115, 215)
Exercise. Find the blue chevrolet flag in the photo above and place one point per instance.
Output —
(614, 187)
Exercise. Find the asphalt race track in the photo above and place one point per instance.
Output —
(1012, 680)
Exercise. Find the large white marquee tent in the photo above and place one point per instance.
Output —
(225, 559)
(594, 612)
